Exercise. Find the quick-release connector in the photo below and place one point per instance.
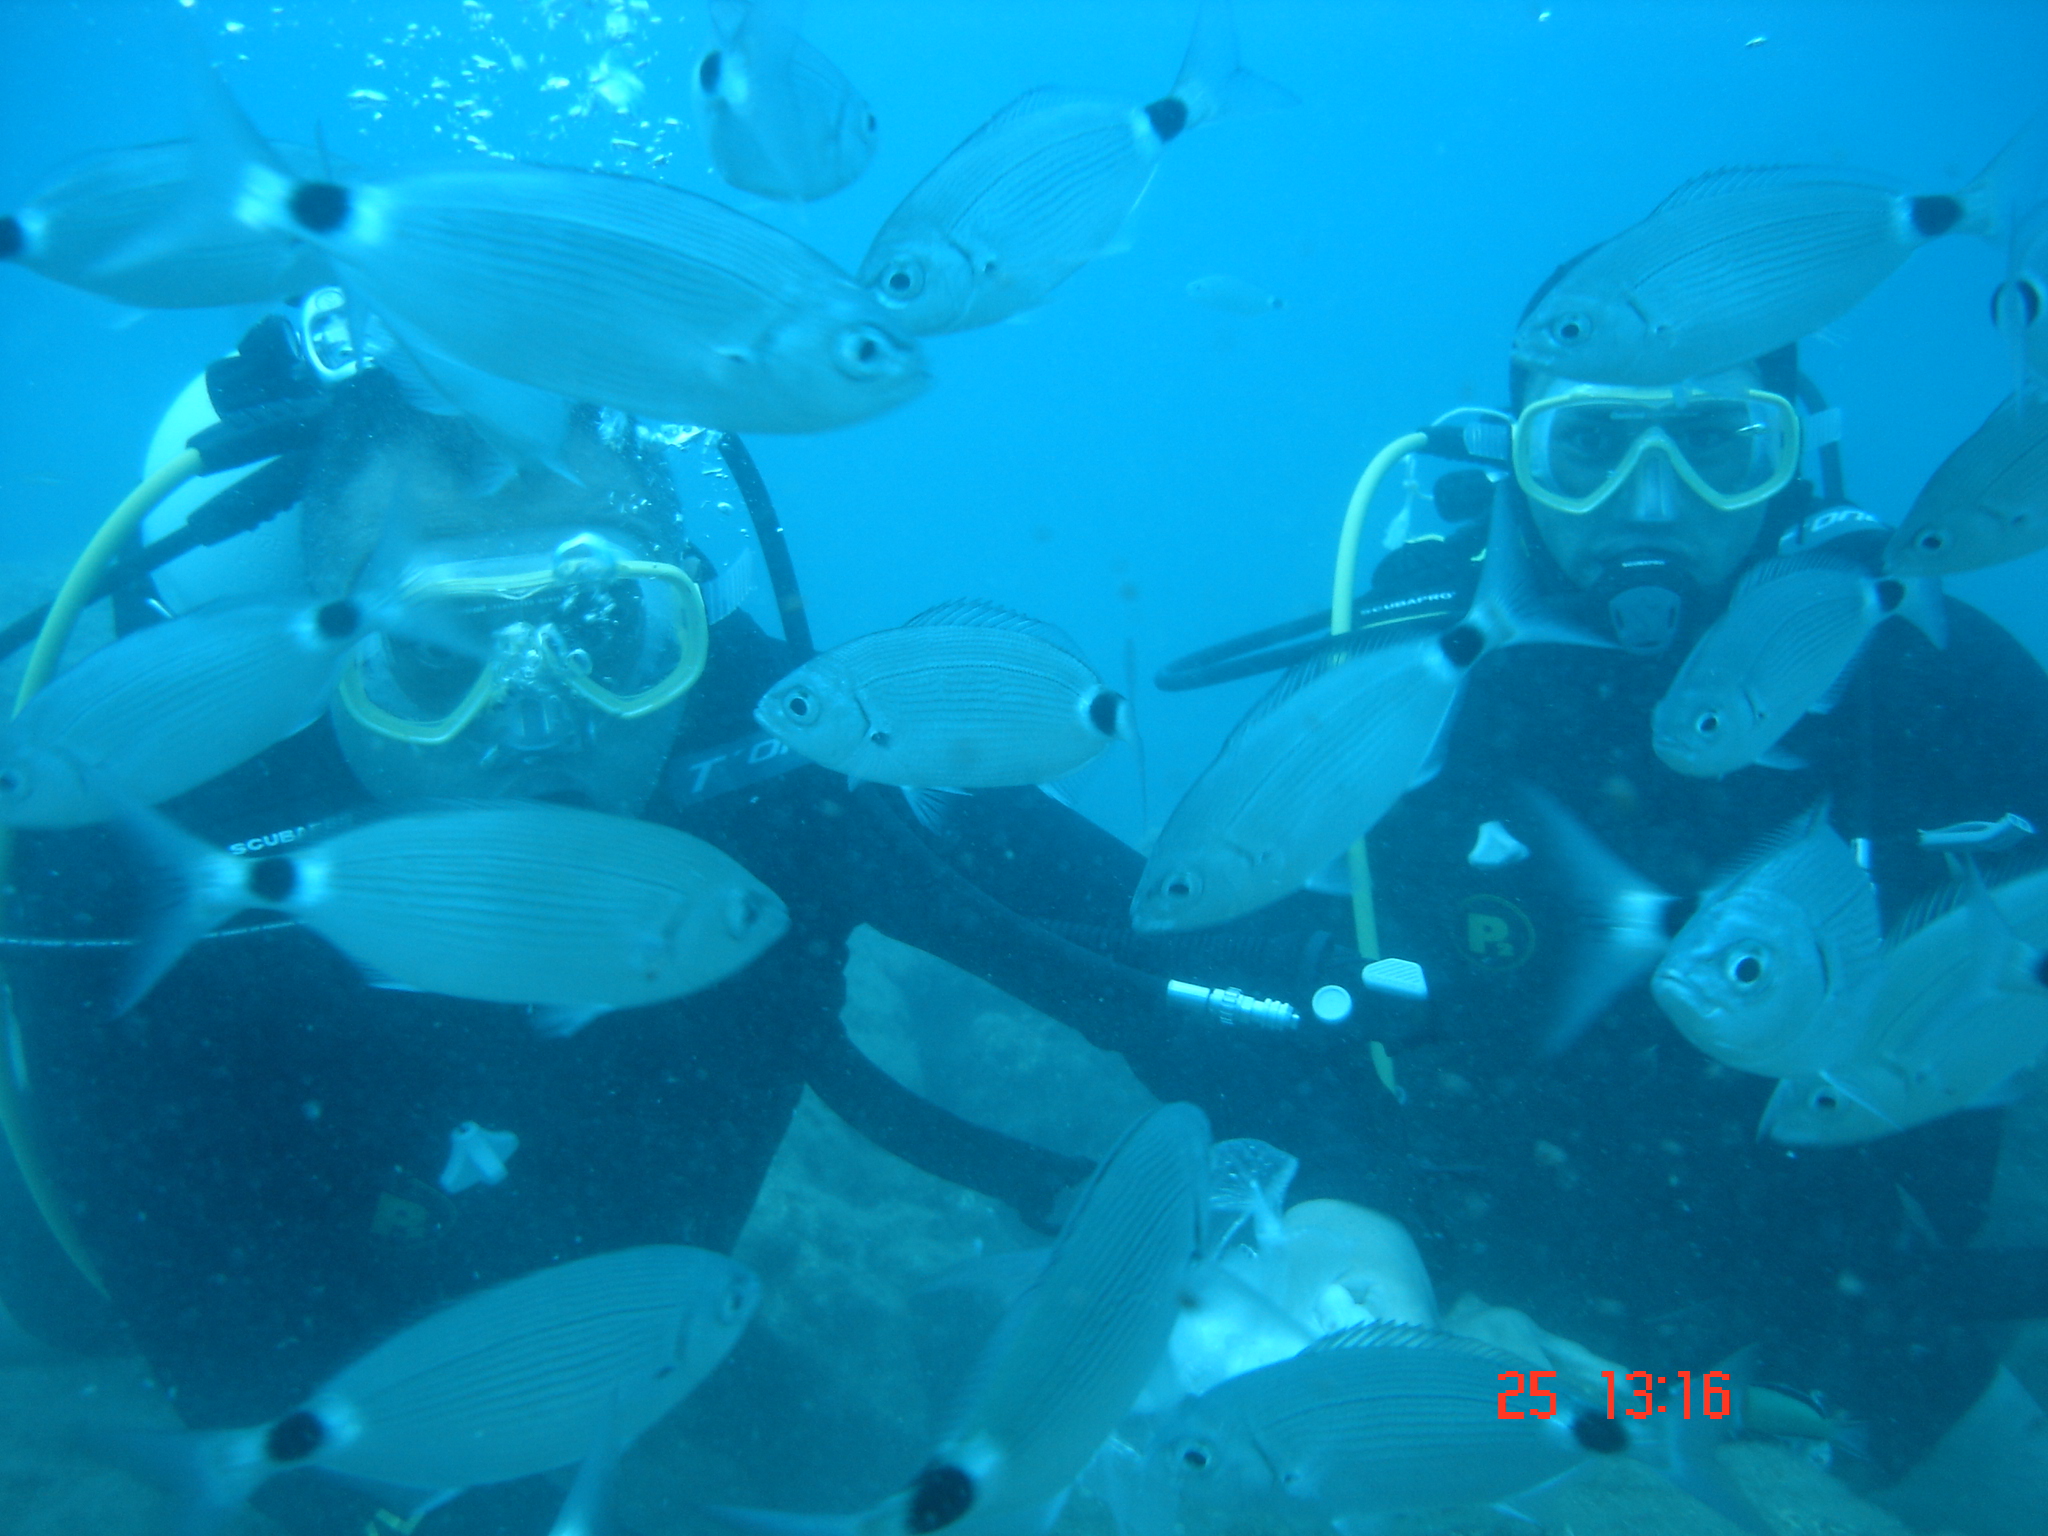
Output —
(1227, 1005)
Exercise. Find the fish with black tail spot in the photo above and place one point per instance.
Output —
(967, 695)
(1739, 262)
(1043, 188)
(780, 119)
(565, 1364)
(1783, 649)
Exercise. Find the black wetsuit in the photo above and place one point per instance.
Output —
(1617, 1191)
(251, 1154)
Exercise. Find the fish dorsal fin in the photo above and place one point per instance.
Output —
(1732, 180)
(1934, 906)
(1333, 654)
(1773, 844)
(976, 613)
(1041, 98)
(1780, 567)
(1411, 1336)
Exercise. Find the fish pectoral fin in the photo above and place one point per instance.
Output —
(1779, 758)
(927, 806)
(565, 1019)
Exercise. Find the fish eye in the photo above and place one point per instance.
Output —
(1745, 967)
(1196, 1458)
(1184, 886)
(1826, 1101)
(903, 283)
(11, 782)
(1572, 328)
(1933, 541)
(798, 706)
(1708, 723)
(864, 352)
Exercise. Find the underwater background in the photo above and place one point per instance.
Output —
(1149, 474)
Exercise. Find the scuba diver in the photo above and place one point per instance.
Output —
(1613, 1185)
(273, 1162)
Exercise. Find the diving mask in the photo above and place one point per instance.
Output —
(1731, 448)
(590, 622)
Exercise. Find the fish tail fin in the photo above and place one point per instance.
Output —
(1134, 1490)
(190, 890)
(1620, 929)
(1922, 606)
(207, 1474)
(1505, 608)
(1687, 1454)
(1212, 83)
(234, 177)
(2016, 180)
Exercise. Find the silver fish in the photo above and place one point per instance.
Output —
(166, 708)
(569, 911)
(519, 1379)
(1042, 189)
(1732, 265)
(1987, 503)
(966, 696)
(1961, 1016)
(1323, 757)
(602, 288)
(1232, 295)
(112, 225)
(780, 119)
(2017, 303)
(1373, 1421)
(1071, 1355)
(1776, 970)
(1782, 650)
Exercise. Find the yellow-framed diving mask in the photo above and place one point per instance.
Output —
(1732, 448)
(625, 635)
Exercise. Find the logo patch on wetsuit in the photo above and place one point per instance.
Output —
(1493, 933)
(705, 775)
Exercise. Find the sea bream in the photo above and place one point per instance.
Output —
(571, 912)
(1043, 188)
(1781, 650)
(967, 695)
(780, 119)
(115, 224)
(1374, 1421)
(1328, 752)
(1070, 1357)
(1776, 970)
(570, 1362)
(167, 707)
(1960, 1020)
(1739, 262)
(1987, 503)
(601, 288)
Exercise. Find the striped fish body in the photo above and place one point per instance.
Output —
(522, 1378)
(608, 289)
(1785, 644)
(98, 228)
(780, 118)
(947, 705)
(1963, 1009)
(1732, 265)
(1075, 1351)
(1309, 771)
(1776, 971)
(1374, 1421)
(167, 708)
(1987, 503)
(543, 905)
(1028, 199)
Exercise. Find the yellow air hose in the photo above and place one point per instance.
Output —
(1363, 920)
(70, 601)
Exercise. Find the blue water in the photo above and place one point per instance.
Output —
(1125, 463)
(1149, 474)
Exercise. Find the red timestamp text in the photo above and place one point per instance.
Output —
(1716, 1397)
